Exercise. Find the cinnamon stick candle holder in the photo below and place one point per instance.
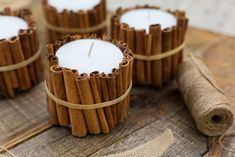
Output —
(156, 38)
(88, 83)
(71, 17)
(20, 62)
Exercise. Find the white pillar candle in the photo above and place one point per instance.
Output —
(143, 18)
(10, 26)
(104, 56)
(74, 5)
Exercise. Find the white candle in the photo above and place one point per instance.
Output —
(10, 26)
(143, 18)
(104, 56)
(74, 5)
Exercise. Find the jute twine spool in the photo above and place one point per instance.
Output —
(206, 102)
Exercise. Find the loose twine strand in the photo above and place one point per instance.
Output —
(160, 56)
(77, 30)
(21, 64)
(232, 133)
(88, 106)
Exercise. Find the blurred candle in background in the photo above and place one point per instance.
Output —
(143, 18)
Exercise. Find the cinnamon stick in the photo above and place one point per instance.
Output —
(105, 98)
(100, 16)
(140, 49)
(125, 82)
(131, 45)
(155, 31)
(174, 58)
(111, 80)
(25, 42)
(104, 17)
(9, 61)
(77, 118)
(181, 26)
(123, 32)
(2, 87)
(112, 25)
(35, 46)
(83, 19)
(85, 92)
(116, 30)
(63, 20)
(91, 18)
(96, 90)
(119, 87)
(8, 11)
(103, 12)
(130, 58)
(148, 49)
(60, 93)
(166, 46)
(50, 60)
(18, 56)
(6, 76)
(73, 20)
(53, 16)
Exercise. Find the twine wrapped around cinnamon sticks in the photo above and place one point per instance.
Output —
(69, 22)
(157, 53)
(206, 102)
(92, 103)
(20, 62)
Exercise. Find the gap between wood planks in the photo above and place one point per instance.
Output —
(43, 126)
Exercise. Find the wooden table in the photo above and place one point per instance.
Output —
(152, 111)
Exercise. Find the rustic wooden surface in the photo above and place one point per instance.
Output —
(152, 111)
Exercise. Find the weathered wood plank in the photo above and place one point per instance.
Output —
(21, 113)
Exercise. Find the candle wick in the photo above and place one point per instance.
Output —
(91, 47)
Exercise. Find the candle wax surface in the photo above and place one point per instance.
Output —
(74, 5)
(10, 26)
(143, 18)
(104, 56)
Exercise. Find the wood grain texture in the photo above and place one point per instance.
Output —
(22, 113)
